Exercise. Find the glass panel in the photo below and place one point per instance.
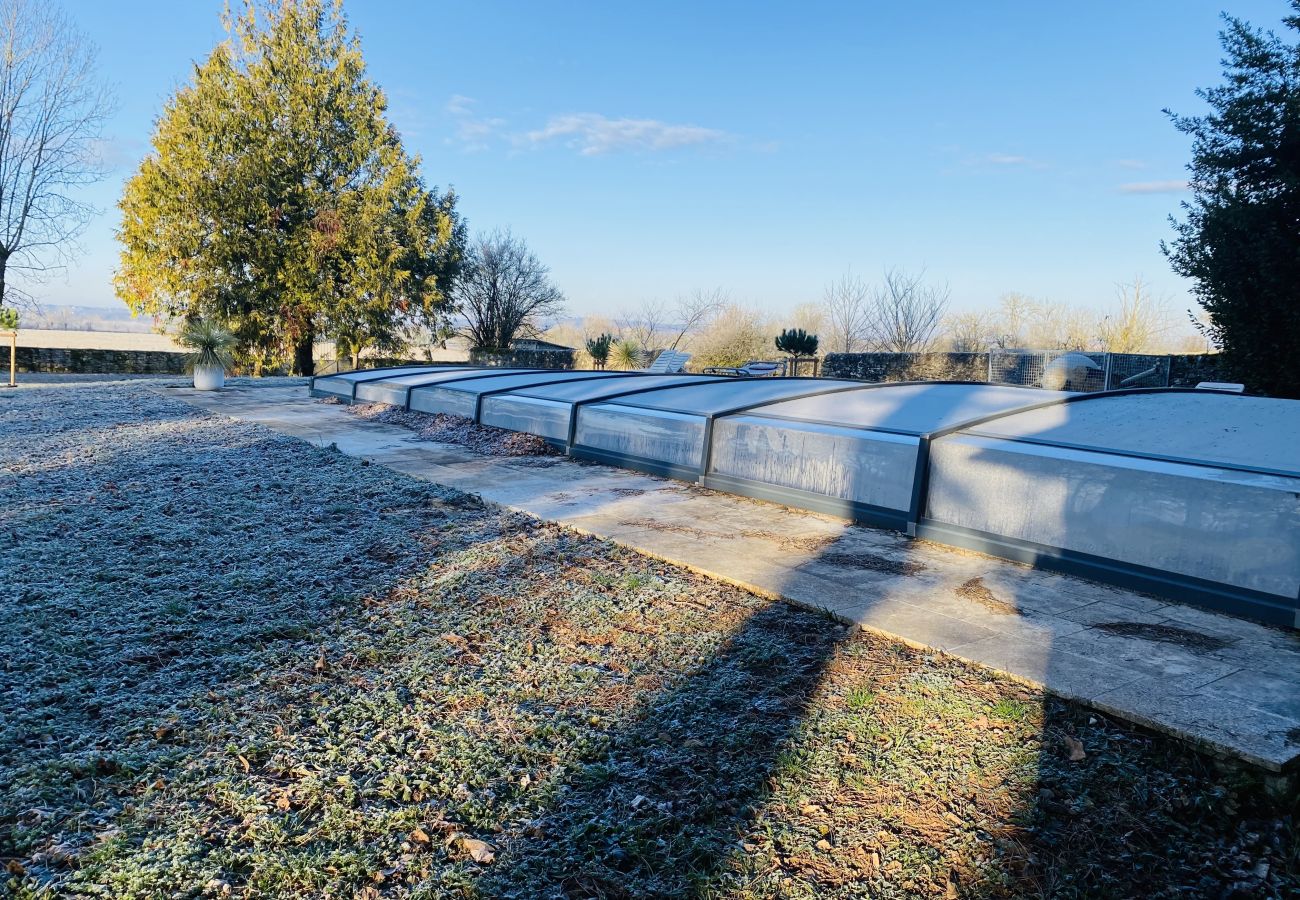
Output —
(1234, 528)
(872, 468)
(664, 437)
(911, 408)
(716, 396)
(1214, 428)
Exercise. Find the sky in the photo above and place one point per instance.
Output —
(648, 150)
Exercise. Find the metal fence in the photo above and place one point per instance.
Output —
(1075, 370)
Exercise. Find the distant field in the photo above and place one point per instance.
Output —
(62, 339)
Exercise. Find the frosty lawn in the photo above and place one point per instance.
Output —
(237, 665)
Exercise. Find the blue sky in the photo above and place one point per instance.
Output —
(647, 150)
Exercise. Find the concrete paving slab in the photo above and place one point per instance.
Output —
(1223, 683)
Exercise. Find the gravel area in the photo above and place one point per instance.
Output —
(236, 665)
(450, 429)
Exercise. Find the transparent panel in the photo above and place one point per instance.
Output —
(874, 468)
(910, 408)
(717, 396)
(393, 390)
(664, 437)
(1234, 528)
(527, 379)
(1203, 426)
(545, 418)
(341, 384)
(594, 390)
(435, 400)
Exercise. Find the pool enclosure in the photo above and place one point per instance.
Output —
(1193, 495)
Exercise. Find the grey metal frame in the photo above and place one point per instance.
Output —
(478, 373)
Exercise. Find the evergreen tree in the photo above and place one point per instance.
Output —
(279, 200)
(1240, 240)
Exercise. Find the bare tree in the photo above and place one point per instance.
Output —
(503, 291)
(655, 324)
(1141, 320)
(848, 320)
(905, 312)
(52, 109)
(969, 332)
(644, 324)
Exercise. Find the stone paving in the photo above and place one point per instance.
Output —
(1226, 684)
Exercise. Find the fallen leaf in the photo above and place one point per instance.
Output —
(1076, 749)
(419, 836)
(244, 762)
(282, 803)
(479, 851)
(823, 844)
(16, 868)
(451, 638)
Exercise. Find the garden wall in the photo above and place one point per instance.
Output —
(907, 366)
(97, 362)
(524, 359)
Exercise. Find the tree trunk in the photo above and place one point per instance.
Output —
(4, 262)
(303, 363)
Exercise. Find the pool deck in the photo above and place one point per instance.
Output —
(1225, 684)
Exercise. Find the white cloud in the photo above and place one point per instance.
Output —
(1008, 159)
(472, 131)
(592, 134)
(1153, 187)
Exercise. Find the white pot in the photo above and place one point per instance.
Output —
(209, 378)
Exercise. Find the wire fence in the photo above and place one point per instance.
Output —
(1075, 370)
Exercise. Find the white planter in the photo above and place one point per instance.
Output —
(209, 378)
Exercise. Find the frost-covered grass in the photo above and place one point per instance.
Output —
(232, 664)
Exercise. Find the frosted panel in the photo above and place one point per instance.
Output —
(1234, 528)
(656, 435)
(393, 390)
(874, 468)
(443, 400)
(1216, 428)
(592, 390)
(545, 418)
(341, 384)
(718, 396)
(913, 408)
(526, 379)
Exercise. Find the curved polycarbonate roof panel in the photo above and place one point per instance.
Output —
(1191, 494)
(526, 379)
(594, 390)
(1200, 426)
(394, 390)
(546, 411)
(343, 382)
(720, 396)
(907, 408)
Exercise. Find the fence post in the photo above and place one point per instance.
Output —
(1107, 370)
(990, 376)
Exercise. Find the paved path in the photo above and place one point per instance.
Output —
(1230, 685)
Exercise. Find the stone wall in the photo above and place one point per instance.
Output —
(524, 359)
(1187, 370)
(907, 366)
(96, 362)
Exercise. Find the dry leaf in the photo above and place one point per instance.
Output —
(16, 868)
(1076, 749)
(419, 836)
(321, 663)
(454, 639)
(823, 844)
(479, 851)
(244, 762)
(282, 803)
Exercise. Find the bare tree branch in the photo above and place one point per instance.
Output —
(847, 315)
(52, 110)
(503, 291)
(905, 312)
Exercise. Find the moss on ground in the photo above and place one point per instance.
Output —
(232, 664)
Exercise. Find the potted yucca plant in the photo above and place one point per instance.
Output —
(210, 347)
